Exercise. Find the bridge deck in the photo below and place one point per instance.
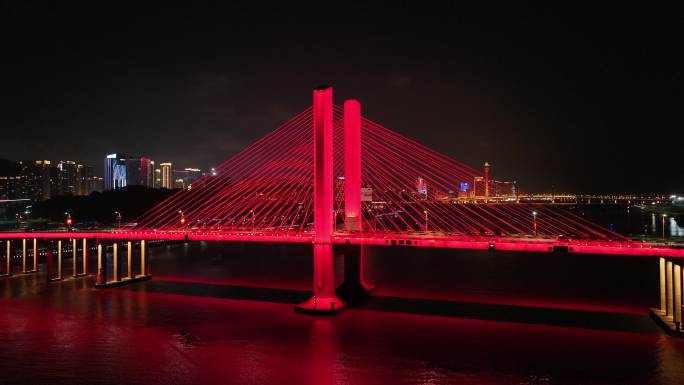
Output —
(539, 245)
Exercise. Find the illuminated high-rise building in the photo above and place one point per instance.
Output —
(87, 181)
(157, 178)
(114, 172)
(422, 188)
(184, 178)
(151, 182)
(479, 189)
(166, 175)
(11, 187)
(139, 171)
(65, 178)
(36, 179)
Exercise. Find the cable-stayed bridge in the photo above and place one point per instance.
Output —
(330, 176)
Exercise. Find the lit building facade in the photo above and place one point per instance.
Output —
(479, 189)
(166, 175)
(36, 179)
(139, 171)
(184, 178)
(422, 188)
(115, 173)
(65, 178)
(11, 187)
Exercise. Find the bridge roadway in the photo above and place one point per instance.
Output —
(468, 242)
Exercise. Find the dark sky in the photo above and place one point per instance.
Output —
(583, 99)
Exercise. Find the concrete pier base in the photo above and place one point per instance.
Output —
(123, 282)
(321, 306)
(666, 322)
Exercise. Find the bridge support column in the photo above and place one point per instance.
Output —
(663, 285)
(85, 257)
(669, 314)
(144, 261)
(23, 256)
(354, 288)
(101, 272)
(35, 254)
(115, 262)
(143, 258)
(323, 300)
(677, 312)
(129, 261)
(59, 259)
(670, 298)
(118, 279)
(8, 260)
(74, 261)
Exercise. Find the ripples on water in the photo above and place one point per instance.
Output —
(188, 325)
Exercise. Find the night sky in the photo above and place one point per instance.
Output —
(581, 99)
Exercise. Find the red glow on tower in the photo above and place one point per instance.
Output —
(323, 163)
(352, 165)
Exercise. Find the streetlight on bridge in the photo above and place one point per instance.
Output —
(534, 222)
(664, 216)
(117, 217)
(68, 221)
(426, 220)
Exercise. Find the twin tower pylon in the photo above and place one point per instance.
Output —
(324, 299)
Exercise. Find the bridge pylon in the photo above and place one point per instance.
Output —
(324, 300)
(355, 256)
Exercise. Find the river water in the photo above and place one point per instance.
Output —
(223, 314)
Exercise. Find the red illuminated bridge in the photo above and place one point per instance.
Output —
(329, 176)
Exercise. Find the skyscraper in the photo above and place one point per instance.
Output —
(109, 163)
(65, 178)
(479, 189)
(157, 178)
(139, 171)
(166, 175)
(36, 175)
(114, 172)
(87, 181)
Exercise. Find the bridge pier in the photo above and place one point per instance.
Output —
(117, 277)
(84, 248)
(324, 300)
(74, 256)
(669, 314)
(24, 257)
(354, 287)
(8, 260)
